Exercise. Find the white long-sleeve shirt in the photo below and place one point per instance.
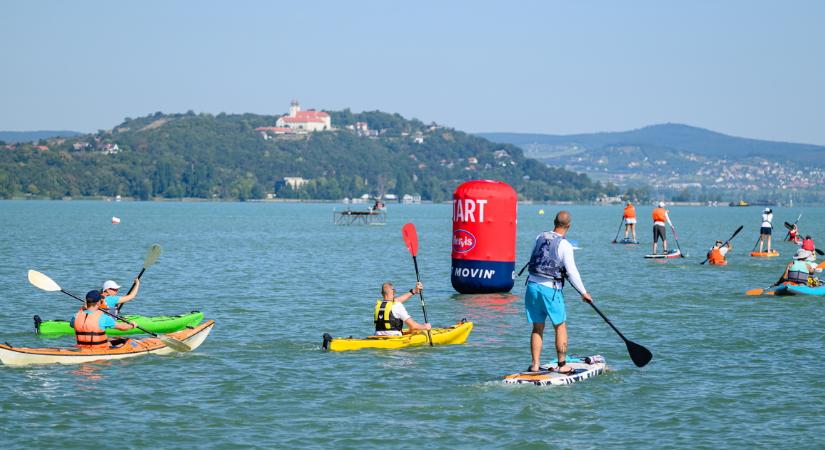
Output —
(565, 255)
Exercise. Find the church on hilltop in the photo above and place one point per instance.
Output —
(309, 120)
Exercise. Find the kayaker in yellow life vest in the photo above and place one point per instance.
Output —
(90, 324)
(113, 302)
(390, 314)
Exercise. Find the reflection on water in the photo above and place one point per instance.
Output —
(89, 372)
(487, 306)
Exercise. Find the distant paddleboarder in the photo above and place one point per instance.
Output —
(660, 216)
(718, 252)
(765, 230)
(550, 262)
(630, 220)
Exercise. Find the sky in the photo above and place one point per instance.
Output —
(746, 68)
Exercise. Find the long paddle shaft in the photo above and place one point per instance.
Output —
(41, 281)
(638, 353)
(411, 240)
(152, 255)
(676, 238)
(618, 231)
(729, 239)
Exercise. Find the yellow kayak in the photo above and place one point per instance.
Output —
(456, 334)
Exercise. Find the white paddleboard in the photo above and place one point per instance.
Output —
(584, 368)
(671, 254)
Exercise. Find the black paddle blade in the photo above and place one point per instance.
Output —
(640, 355)
(788, 226)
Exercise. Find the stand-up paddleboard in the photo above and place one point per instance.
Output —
(628, 241)
(765, 254)
(668, 255)
(584, 368)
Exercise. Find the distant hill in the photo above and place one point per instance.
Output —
(12, 137)
(225, 156)
(672, 136)
(684, 162)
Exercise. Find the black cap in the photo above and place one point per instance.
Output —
(93, 296)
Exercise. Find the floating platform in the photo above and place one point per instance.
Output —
(369, 217)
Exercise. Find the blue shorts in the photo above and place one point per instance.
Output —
(542, 301)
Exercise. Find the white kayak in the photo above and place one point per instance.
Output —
(22, 356)
(583, 368)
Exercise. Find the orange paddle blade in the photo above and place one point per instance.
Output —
(410, 238)
(755, 292)
(821, 265)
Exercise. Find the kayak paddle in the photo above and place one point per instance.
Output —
(151, 256)
(638, 353)
(729, 239)
(618, 231)
(411, 239)
(41, 281)
(790, 227)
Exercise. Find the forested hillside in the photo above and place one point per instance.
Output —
(223, 156)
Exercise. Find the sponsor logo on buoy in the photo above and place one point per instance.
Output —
(115, 220)
(463, 241)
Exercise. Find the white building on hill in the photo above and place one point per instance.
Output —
(309, 120)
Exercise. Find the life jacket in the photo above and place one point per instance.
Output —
(544, 260)
(798, 273)
(808, 244)
(87, 330)
(629, 212)
(383, 318)
(715, 256)
(659, 215)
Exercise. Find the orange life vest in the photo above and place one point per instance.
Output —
(716, 256)
(629, 212)
(659, 215)
(87, 330)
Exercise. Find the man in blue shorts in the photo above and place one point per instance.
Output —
(550, 263)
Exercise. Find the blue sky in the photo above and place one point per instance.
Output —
(746, 68)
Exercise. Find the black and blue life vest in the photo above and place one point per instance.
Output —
(544, 260)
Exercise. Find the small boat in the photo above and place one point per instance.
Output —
(771, 254)
(669, 255)
(156, 324)
(456, 334)
(22, 356)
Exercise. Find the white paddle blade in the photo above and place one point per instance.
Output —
(152, 255)
(41, 281)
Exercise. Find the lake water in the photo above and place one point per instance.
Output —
(728, 370)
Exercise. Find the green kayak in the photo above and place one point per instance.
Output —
(157, 324)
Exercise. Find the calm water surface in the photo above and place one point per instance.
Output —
(728, 370)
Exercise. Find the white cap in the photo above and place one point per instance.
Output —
(661, 204)
(802, 254)
(109, 284)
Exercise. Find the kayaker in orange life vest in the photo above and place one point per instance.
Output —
(90, 324)
(717, 254)
(390, 314)
(630, 220)
(659, 218)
